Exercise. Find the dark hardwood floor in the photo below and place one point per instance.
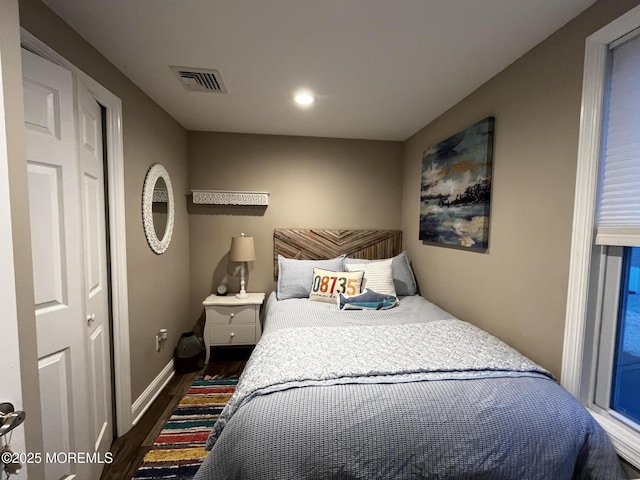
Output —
(129, 450)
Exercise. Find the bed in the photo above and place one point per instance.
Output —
(339, 388)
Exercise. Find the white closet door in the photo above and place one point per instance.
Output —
(71, 421)
(95, 264)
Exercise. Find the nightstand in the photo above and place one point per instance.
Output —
(232, 321)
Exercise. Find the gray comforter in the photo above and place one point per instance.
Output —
(441, 399)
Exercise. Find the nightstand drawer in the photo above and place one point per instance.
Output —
(232, 315)
(232, 321)
(233, 334)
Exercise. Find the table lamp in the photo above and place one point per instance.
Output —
(242, 251)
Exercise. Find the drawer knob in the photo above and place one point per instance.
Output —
(232, 315)
(232, 334)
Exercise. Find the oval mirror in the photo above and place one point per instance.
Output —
(158, 209)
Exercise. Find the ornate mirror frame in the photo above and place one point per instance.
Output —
(155, 172)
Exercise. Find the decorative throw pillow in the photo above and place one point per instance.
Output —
(378, 275)
(295, 276)
(403, 279)
(328, 284)
(369, 300)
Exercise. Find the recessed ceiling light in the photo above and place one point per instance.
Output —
(304, 98)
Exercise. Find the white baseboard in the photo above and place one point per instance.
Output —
(144, 401)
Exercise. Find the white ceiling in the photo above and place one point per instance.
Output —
(381, 69)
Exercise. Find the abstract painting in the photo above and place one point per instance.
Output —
(456, 188)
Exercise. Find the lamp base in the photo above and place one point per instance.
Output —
(243, 293)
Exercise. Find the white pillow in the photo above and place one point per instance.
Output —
(327, 284)
(403, 278)
(378, 276)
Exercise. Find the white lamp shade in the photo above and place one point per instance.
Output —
(242, 249)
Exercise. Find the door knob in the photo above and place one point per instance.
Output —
(91, 318)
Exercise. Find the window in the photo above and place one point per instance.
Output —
(625, 387)
(617, 380)
(601, 357)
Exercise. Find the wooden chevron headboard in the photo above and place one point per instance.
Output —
(320, 244)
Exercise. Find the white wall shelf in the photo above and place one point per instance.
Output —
(228, 197)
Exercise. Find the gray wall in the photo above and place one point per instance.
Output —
(158, 284)
(518, 289)
(313, 183)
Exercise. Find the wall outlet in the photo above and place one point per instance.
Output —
(161, 338)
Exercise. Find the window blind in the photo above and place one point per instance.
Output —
(618, 214)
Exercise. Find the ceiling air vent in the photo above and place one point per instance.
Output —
(200, 79)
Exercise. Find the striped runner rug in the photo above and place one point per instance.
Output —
(178, 451)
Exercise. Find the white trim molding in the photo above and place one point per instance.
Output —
(577, 366)
(117, 230)
(144, 401)
(584, 214)
(12, 381)
(226, 197)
